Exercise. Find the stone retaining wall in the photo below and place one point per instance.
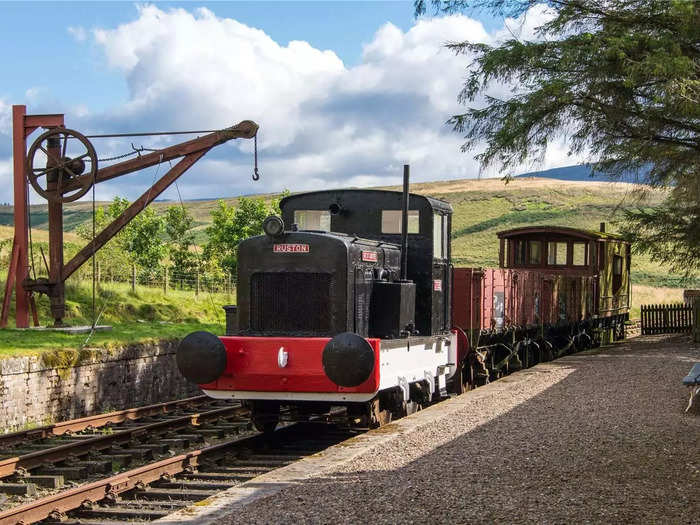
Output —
(633, 329)
(67, 384)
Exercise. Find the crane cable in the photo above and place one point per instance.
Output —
(94, 262)
(29, 227)
(95, 318)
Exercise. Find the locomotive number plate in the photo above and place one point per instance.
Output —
(369, 256)
(437, 285)
(290, 248)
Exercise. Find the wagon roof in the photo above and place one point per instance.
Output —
(563, 230)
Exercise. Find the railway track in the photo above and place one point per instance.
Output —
(156, 489)
(43, 461)
(140, 465)
(100, 420)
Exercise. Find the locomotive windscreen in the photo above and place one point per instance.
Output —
(291, 302)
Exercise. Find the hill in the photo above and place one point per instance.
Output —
(482, 208)
(581, 173)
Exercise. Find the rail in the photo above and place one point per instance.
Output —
(98, 420)
(10, 466)
(262, 454)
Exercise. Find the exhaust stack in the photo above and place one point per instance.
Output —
(404, 224)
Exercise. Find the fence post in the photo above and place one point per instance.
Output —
(133, 278)
(696, 320)
(228, 284)
(196, 290)
(165, 281)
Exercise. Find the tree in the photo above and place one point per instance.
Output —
(140, 242)
(620, 79)
(142, 238)
(230, 225)
(178, 228)
(111, 258)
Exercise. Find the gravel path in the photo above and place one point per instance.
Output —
(597, 437)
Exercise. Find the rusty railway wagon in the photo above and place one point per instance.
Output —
(556, 290)
(350, 300)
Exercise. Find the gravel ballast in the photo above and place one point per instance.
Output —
(598, 436)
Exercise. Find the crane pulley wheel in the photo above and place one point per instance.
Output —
(68, 170)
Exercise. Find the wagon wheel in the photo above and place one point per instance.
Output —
(69, 172)
(463, 379)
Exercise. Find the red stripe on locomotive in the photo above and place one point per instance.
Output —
(252, 365)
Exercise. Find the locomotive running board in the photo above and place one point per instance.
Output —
(349, 397)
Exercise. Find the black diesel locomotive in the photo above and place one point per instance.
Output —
(346, 301)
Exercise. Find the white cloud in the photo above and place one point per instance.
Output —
(78, 32)
(322, 123)
(194, 69)
(5, 149)
(5, 118)
(525, 26)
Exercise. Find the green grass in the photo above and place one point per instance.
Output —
(479, 215)
(482, 208)
(146, 315)
(15, 342)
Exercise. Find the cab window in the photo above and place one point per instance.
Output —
(438, 248)
(319, 220)
(391, 221)
(519, 252)
(445, 235)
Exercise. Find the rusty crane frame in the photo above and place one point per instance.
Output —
(64, 179)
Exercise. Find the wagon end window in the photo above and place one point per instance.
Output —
(391, 221)
(580, 253)
(319, 220)
(535, 256)
(556, 253)
(519, 252)
(617, 273)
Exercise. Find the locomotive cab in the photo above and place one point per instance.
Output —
(329, 314)
(376, 215)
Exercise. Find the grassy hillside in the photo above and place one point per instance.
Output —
(482, 208)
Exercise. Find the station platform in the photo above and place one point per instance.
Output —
(599, 436)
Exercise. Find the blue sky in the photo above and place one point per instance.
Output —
(48, 57)
(345, 92)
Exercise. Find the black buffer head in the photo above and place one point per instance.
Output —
(201, 357)
(348, 359)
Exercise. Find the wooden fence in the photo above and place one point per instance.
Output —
(666, 318)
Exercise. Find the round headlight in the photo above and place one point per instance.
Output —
(273, 226)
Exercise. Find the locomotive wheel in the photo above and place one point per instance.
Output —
(377, 414)
(266, 416)
(63, 178)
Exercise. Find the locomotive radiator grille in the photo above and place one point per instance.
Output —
(291, 302)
